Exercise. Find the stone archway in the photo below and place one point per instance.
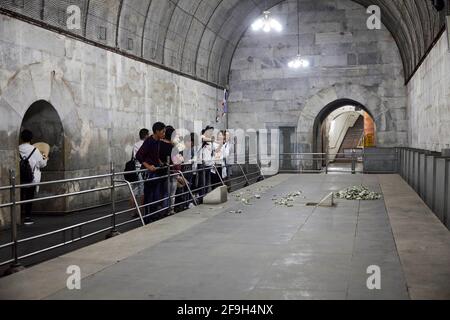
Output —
(325, 112)
(34, 83)
(384, 118)
(43, 120)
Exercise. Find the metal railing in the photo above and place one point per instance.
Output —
(298, 163)
(116, 181)
(357, 161)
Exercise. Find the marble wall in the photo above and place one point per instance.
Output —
(429, 100)
(102, 99)
(348, 61)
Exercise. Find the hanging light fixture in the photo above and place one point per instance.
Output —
(266, 23)
(298, 61)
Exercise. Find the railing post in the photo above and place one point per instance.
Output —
(245, 176)
(326, 163)
(261, 175)
(169, 204)
(114, 231)
(364, 160)
(189, 188)
(235, 155)
(205, 188)
(398, 160)
(353, 162)
(15, 266)
(220, 177)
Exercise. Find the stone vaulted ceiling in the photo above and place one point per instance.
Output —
(198, 37)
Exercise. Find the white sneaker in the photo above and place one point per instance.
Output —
(191, 205)
(28, 222)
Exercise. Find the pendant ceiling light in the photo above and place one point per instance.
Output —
(266, 23)
(298, 61)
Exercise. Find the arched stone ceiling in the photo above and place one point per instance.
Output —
(198, 37)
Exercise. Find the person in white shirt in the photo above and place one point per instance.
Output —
(218, 161)
(206, 161)
(228, 151)
(228, 148)
(189, 168)
(138, 188)
(173, 138)
(36, 161)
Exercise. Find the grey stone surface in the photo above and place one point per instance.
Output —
(267, 252)
(429, 110)
(33, 283)
(198, 37)
(264, 91)
(422, 241)
(103, 100)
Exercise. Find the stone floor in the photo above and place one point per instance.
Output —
(344, 167)
(266, 252)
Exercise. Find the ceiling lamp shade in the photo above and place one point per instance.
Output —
(267, 23)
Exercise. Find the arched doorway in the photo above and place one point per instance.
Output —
(342, 130)
(43, 120)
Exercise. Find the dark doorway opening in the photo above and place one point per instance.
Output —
(43, 120)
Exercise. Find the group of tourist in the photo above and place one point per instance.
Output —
(203, 163)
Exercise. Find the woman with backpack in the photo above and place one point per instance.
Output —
(31, 163)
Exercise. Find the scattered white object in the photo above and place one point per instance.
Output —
(287, 200)
(246, 196)
(358, 193)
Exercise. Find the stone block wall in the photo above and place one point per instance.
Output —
(103, 100)
(428, 100)
(348, 61)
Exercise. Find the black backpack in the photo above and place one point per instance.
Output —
(131, 166)
(26, 172)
